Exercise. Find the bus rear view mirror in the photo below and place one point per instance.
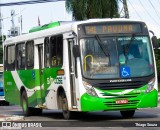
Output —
(76, 52)
(155, 42)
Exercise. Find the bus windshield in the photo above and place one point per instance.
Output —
(126, 57)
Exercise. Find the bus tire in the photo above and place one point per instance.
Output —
(127, 114)
(64, 106)
(6, 103)
(38, 111)
(24, 103)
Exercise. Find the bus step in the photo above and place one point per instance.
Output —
(42, 106)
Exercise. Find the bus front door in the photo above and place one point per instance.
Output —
(41, 78)
(72, 74)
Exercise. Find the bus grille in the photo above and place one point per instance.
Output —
(112, 86)
(127, 95)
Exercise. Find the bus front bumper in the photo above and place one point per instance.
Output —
(90, 103)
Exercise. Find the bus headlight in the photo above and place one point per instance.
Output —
(150, 85)
(89, 89)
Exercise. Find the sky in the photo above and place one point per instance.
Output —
(47, 12)
(145, 10)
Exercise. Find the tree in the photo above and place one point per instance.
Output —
(87, 9)
(1, 49)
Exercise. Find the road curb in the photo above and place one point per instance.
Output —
(11, 118)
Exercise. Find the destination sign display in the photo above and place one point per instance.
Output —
(112, 28)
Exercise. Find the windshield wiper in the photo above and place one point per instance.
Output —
(129, 43)
(104, 49)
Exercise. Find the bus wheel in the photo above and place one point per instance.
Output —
(127, 114)
(38, 111)
(64, 105)
(24, 103)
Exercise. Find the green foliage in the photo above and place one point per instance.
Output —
(4, 37)
(87, 9)
(1, 49)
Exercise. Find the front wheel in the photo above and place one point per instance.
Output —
(64, 106)
(127, 114)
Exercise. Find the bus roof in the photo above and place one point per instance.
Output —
(71, 26)
(47, 26)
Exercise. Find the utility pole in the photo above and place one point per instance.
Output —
(13, 25)
(124, 11)
(14, 30)
(1, 38)
(1, 32)
(0, 21)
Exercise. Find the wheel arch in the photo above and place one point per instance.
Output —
(21, 91)
(60, 91)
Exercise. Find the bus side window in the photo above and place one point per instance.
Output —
(46, 53)
(20, 55)
(53, 51)
(30, 54)
(59, 50)
(11, 57)
(56, 50)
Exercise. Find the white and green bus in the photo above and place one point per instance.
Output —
(85, 66)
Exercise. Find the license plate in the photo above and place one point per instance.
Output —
(122, 101)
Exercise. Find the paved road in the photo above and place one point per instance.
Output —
(94, 120)
(90, 121)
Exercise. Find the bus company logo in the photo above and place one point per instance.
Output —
(19, 125)
(10, 125)
(6, 125)
(57, 80)
(120, 80)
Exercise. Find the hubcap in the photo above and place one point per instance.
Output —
(24, 105)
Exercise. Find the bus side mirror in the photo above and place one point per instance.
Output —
(155, 42)
(76, 52)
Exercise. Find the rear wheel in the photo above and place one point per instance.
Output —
(24, 103)
(127, 114)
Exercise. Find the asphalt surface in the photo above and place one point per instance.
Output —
(7, 117)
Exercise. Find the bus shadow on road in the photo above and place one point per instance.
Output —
(97, 116)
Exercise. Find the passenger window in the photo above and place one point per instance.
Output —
(20, 55)
(56, 50)
(11, 57)
(30, 54)
(47, 55)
